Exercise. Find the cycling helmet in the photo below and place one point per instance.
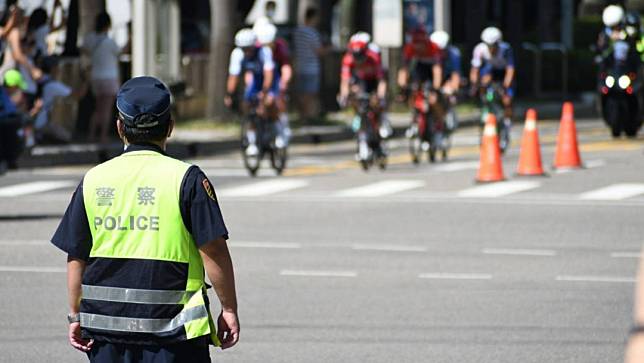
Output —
(357, 44)
(361, 37)
(261, 21)
(245, 38)
(491, 35)
(265, 33)
(440, 38)
(612, 15)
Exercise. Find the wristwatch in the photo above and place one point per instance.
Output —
(73, 318)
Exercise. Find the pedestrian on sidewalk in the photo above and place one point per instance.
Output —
(308, 51)
(103, 53)
(139, 231)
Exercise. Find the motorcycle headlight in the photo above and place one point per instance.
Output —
(624, 81)
(610, 81)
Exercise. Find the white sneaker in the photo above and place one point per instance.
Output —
(252, 150)
(363, 151)
(280, 143)
(424, 146)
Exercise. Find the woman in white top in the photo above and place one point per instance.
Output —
(15, 56)
(104, 76)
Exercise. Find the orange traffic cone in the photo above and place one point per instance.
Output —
(490, 167)
(530, 157)
(567, 153)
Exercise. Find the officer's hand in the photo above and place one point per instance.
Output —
(635, 349)
(75, 338)
(228, 329)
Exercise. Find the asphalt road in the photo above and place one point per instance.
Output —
(411, 264)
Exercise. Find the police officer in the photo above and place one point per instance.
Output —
(139, 231)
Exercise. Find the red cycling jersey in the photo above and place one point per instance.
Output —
(369, 69)
(281, 54)
(425, 52)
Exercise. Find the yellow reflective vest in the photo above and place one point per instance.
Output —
(144, 281)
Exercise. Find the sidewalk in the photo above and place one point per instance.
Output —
(195, 143)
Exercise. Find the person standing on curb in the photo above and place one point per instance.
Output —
(308, 50)
(139, 231)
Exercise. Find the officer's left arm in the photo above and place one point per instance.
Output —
(75, 269)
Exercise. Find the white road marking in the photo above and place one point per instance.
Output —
(35, 187)
(32, 269)
(211, 172)
(264, 188)
(498, 189)
(614, 192)
(392, 248)
(380, 189)
(458, 166)
(625, 254)
(276, 245)
(590, 164)
(594, 278)
(454, 276)
(518, 252)
(318, 273)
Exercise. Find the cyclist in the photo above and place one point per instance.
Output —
(421, 64)
(266, 36)
(493, 61)
(362, 70)
(362, 67)
(451, 63)
(255, 63)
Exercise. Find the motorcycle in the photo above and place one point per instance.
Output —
(267, 141)
(491, 102)
(619, 92)
(425, 133)
(370, 148)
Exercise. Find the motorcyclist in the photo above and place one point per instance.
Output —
(255, 64)
(613, 19)
(266, 36)
(493, 61)
(451, 63)
(633, 28)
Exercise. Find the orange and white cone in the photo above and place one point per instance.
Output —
(567, 153)
(490, 166)
(530, 156)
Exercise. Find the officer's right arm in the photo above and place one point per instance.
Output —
(219, 268)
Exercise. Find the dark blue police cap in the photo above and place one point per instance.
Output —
(143, 96)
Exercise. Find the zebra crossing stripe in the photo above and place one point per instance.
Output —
(264, 188)
(381, 188)
(498, 189)
(614, 192)
(35, 187)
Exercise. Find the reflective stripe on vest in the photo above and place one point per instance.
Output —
(133, 209)
(134, 325)
(136, 296)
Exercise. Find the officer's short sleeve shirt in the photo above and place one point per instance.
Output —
(198, 203)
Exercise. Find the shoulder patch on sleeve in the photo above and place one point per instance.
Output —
(209, 190)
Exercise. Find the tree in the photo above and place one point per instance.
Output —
(221, 25)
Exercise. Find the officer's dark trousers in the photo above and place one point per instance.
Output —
(188, 351)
